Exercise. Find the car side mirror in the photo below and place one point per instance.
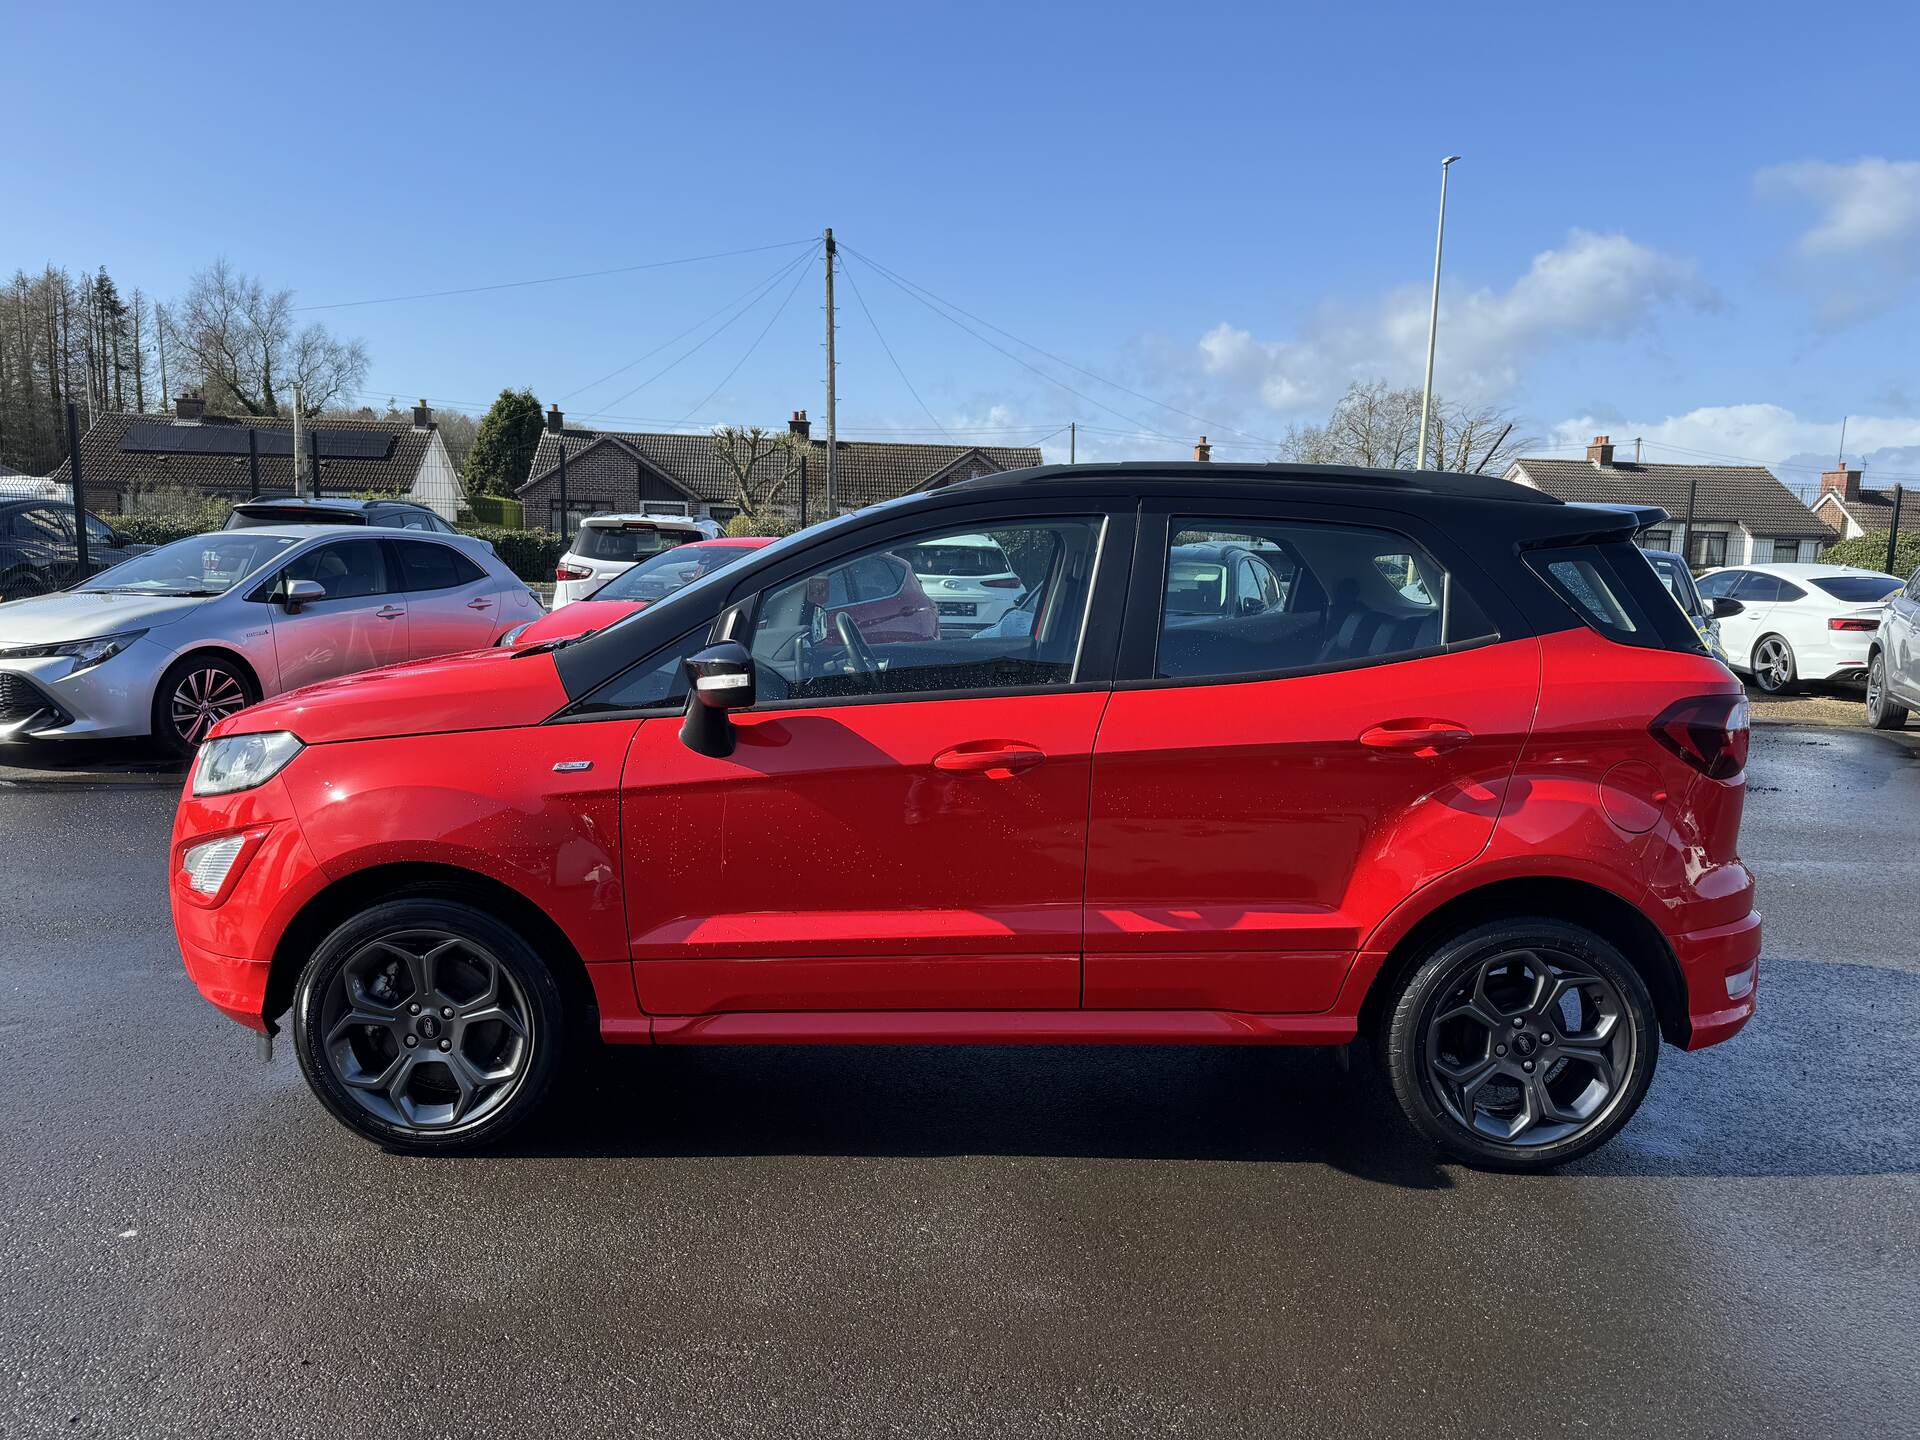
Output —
(296, 593)
(1725, 607)
(719, 679)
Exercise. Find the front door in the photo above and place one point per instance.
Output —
(361, 624)
(1284, 776)
(902, 824)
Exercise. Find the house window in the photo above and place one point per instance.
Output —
(1709, 549)
(1785, 552)
(1656, 540)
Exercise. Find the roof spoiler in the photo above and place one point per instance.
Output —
(1594, 523)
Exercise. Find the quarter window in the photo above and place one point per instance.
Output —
(897, 620)
(657, 682)
(1244, 598)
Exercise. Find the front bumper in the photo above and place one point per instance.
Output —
(50, 700)
(1721, 968)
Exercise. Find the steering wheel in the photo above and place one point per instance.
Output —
(858, 650)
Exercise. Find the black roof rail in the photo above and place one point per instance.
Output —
(1425, 482)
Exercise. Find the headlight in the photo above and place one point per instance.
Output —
(512, 637)
(240, 762)
(85, 653)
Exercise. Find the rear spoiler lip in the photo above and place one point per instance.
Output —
(1609, 522)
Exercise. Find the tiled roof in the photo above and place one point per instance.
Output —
(107, 465)
(865, 471)
(1870, 509)
(1748, 495)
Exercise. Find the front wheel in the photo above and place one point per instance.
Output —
(1521, 1045)
(1883, 712)
(427, 1025)
(196, 694)
(1774, 671)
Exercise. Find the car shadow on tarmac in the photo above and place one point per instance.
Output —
(1818, 1085)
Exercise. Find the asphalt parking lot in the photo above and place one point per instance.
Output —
(945, 1242)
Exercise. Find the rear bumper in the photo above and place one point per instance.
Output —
(1721, 968)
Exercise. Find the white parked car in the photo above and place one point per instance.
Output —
(1893, 660)
(1799, 622)
(608, 545)
(968, 579)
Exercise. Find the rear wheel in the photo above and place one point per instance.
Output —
(427, 1025)
(1774, 671)
(197, 693)
(1521, 1045)
(1883, 712)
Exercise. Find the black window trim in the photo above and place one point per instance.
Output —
(1139, 653)
(397, 561)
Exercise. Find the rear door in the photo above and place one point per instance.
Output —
(361, 624)
(452, 603)
(1267, 785)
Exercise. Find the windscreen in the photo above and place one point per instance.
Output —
(199, 565)
(661, 575)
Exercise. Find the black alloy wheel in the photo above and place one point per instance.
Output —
(1522, 1045)
(427, 1025)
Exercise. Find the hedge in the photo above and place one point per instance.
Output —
(498, 510)
(1869, 551)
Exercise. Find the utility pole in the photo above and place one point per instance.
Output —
(1636, 449)
(832, 406)
(299, 456)
(1893, 528)
(1073, 442)
(1433, 313)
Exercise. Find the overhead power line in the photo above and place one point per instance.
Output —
(778, 311)
(891, 356)
(555, 279)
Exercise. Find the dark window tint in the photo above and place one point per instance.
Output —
(1722, 583)
(658, 681)
(1858, 589)
(41, 526)
(865, 626)
(346, 569)
(1614, 591)
(1253, 598)
(1757, 589)
(620, 543)
(435, 567)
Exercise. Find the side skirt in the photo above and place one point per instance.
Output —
(983, 1027)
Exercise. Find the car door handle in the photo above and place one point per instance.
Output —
(995, 757)
(390, 612)
(479, 604)
(1417, 737)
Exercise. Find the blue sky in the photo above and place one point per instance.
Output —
(1696, 224)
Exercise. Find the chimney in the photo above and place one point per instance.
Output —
(1203, 452)
(1840, 481)
(554, 420)
(422, 417)
(1600, 452)
(799, 426)
(189, 407)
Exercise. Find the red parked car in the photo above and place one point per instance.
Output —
(1457, 777)
(635, 588)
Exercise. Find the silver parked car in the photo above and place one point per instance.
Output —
(170, 642)
(1893, 660)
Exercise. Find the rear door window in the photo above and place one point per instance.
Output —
(1246, 598)
(435, 567)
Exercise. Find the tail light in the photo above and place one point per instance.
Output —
(571, 572)
(1709, 732)
(1852, 622)
(1004, 583)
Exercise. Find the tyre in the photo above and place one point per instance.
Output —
(428, 1026)
(1522, 1044)
(1883, 712)
(1774, 672)
(195, 694)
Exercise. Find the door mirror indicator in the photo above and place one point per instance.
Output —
(1725, 607)
(719, 679)
(301, 592)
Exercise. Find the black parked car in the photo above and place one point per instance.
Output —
(293, 510)
(38, 552)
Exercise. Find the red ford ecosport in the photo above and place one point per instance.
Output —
(1262, 755)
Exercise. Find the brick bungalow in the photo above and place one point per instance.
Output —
(1849, 510)
(616, 471)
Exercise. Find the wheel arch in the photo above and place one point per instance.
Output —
(1581, 902)
(330, 907)
(213, 649)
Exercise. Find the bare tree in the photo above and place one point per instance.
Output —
(237, 341)
(759, 462)
(1378, 426)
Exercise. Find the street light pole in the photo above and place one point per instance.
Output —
(1433, 314)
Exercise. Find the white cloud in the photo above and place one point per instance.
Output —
(1862, 249)
(1595, 285)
